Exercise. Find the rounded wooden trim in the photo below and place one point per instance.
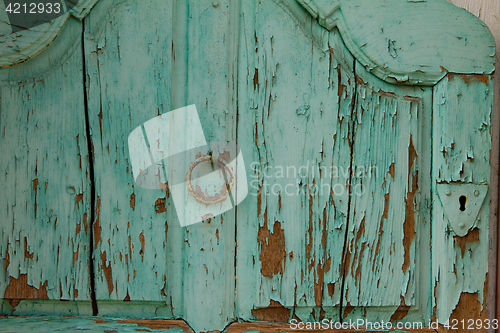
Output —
(414, 42)
(18, 47)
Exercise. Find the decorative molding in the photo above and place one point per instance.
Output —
(20, 46)
(413, 42)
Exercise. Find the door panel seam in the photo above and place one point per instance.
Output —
(90, 155)
(351, 137)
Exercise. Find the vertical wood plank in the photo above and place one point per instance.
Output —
(128, 77)
(210, 52)
(144, 59)
(44, 202)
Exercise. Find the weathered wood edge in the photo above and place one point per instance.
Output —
(94, 324)
(37, 307)
(414, 62)
(82, 9)
(102, 324)
(29, 44)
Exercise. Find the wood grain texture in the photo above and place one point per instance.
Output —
(141, 252)
(36, 307)
(461, 153)
(294, 129)
(44, 229)
(400, 47)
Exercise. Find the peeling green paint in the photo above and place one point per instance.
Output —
(273, 135)
(462, 108)
(386, 259)
(44, 233)
(141, 253)
(26, 44)
(78, 324)
(288, 91)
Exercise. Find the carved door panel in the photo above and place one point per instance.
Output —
(354, 126)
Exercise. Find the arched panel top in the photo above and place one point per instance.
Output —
(19, 46)
(409, 41)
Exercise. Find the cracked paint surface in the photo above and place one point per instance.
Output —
(295, 112)
(311, 255)
(44, 228)
(386, 266)
(141, 252)
(461, 153)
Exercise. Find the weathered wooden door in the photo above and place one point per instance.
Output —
(359, 122)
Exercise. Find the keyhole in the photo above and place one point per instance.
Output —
(462, 200)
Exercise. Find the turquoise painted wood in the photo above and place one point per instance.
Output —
(45, 226)
(106, 325)
(141, 253)
(400, 47)
(347, 115)
(26, 44)
(295, 124)
(387, 256)
(100, 325)
(461, 153)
